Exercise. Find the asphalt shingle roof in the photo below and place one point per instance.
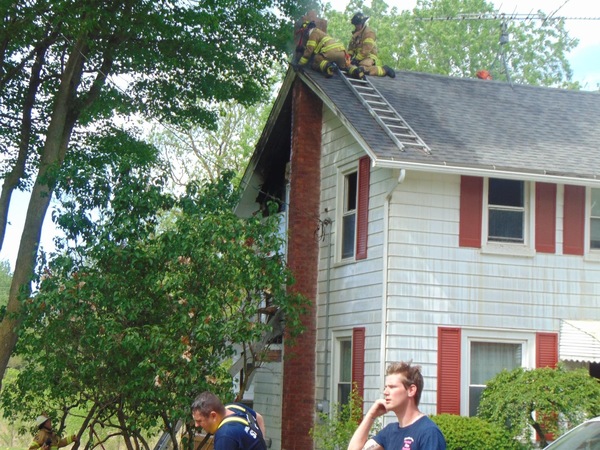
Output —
(479, 124)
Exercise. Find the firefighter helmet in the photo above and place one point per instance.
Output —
(41, 420)
(359, 19)
(308, 25)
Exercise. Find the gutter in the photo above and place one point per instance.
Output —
(488, 172)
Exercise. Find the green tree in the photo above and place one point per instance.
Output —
(11, 431)
(68, 67)
(135, 314)
(204, 154)
(549, 401)
(428, 39)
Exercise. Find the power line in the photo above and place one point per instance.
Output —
(502, 17)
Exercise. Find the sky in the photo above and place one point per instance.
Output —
(585, 62)
(585, 59)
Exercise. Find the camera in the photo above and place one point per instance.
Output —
(48, 442)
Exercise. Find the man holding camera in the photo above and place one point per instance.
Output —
(46, 439)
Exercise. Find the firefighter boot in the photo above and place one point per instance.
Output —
(330, 69)
(357, 72)
(389, 71)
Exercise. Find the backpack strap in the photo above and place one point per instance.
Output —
(233, 419)
(204, 441)
(249, 420)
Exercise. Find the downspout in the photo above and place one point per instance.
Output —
(384, 303)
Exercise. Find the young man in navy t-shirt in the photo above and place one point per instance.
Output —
(414, 430)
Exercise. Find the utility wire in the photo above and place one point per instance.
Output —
(503, 16)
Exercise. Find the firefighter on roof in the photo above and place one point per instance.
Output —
(323, 52)
(363, 48)
(45, 438)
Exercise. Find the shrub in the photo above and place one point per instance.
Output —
(472, 433)
(333, 432)
(549, 401)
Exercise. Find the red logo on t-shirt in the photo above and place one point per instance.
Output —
(408, 441)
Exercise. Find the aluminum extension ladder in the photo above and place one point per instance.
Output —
(392, 123)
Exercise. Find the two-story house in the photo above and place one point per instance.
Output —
(452, 222)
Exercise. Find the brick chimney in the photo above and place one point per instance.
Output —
(299, 369)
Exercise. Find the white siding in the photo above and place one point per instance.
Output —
(431, 281)
(267, 399)
(350, 291)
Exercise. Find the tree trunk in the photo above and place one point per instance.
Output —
(61, 124)
(13, 178)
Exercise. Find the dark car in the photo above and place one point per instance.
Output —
(585, 436)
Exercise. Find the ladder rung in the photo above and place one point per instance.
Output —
(393, 127)
(409, 136)
(371, 102)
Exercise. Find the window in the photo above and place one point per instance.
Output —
(352, 211)
(595, 219)
(469, 357)
(348, 362)
(506, 211)
(487, 360)
(349, 214)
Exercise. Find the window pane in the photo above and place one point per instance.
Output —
(474, 399)
(596, 202)
(595, 233)
(595, 220)
(506, 192)
(490, 358)
(344, 383)
(348, 235)
(350, 192)
(345, 361)
(487, 360)
(343, 393)
(505, 225)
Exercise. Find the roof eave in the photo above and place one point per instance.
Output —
(456, 169)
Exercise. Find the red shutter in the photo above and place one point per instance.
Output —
(362, 208)
(574, 220)
(471, 207)
(546, 355)
(545, 218)
(448, 373)
(358, 360)
(546, 350)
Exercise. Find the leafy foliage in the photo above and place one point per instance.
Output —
(11, 431)
(548, 400)
(333, 432)
(67, 68)
(473, 433)
(427, 39)
(204, 154)
(137, 314)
